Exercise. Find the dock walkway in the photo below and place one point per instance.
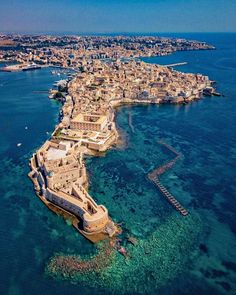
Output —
(169, 197)
(176, 64)
(154, 177)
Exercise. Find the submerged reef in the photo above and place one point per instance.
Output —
(156, 260)
(69, 266)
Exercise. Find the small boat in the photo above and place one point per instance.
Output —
(19, 144)
(26, 127)
(216, 94)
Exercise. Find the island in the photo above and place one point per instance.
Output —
(87, 127)
(108, 72)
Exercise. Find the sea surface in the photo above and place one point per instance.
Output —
(174, 254)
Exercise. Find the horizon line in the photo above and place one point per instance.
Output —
(109, 33)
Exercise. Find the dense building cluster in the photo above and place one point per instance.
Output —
(108, 74)
(70, 51)
(88, 109)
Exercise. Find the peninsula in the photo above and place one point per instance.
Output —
(107, 74)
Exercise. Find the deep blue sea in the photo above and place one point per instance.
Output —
(174, 254)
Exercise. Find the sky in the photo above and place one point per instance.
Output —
(113, 16)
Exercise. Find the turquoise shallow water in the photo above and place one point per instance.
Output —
(174, 255)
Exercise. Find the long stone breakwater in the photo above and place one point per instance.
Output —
(154, 177)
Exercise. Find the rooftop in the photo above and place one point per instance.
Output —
(93, 119)
(54, 154)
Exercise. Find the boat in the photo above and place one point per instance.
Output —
(31, 67)
(216, 93)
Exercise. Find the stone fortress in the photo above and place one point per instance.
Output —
(60, 179)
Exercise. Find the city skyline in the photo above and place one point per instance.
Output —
(120, 16)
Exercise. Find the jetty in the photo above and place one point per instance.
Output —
(21, 67)
(154, 177)
(175, 64)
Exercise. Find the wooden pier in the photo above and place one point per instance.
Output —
(154, 177)
(169, 197)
